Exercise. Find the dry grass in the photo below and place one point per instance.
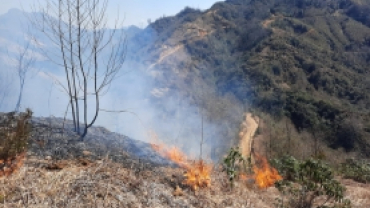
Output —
(83, 183)
(42, 183)
(359, 193)
(14, 132)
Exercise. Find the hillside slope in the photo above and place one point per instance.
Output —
(302, 60)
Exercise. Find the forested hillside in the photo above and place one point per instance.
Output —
(305, 60)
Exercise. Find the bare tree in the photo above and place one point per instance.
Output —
(4, 86)
(23, 63)
(90, 54)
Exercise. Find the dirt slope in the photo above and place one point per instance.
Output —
(247, 130)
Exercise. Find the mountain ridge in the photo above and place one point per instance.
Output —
(303, 60)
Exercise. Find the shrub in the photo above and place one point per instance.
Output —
(356, 170)
(14, 132)
(232, 164)
(305, 181)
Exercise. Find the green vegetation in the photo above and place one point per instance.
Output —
(302, 60)
(232, 164)
(356, 170)
(305, 181)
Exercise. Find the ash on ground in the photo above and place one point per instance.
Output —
(54, 138)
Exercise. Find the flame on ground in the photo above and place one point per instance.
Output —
(198, 173)
(265, 176)
(172, 153)
(11, 165)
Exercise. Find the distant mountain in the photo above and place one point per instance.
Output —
(305, 60)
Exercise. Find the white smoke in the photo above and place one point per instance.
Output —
(131, 100)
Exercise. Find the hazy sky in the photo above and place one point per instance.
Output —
(136, 12)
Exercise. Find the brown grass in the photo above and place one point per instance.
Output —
(103, 183)
(14, 132)
(108, 184)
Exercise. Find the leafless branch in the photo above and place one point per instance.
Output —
(78, 28)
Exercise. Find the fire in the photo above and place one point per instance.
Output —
(175, 155)
(265, 175)
(11, 165)
(172, 153)
(198, 173)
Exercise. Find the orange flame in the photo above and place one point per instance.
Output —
(172, 153)
(265, 175)
(11, 165)
(198, 173)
